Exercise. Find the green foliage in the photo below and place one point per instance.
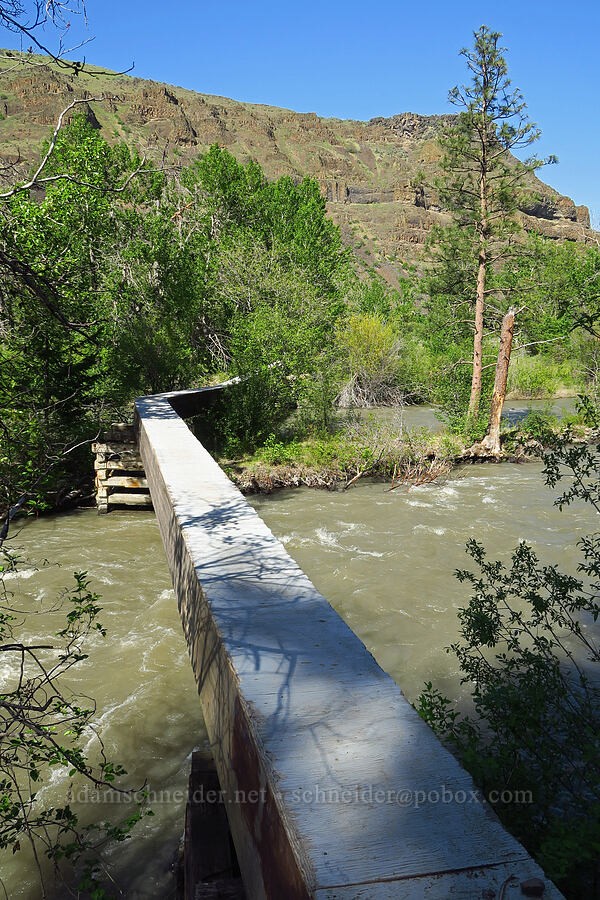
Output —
(415, 370)
(542, 275)
(588, 411)
(116, 284)
(452, 389)
(448, 445)
(56, 333)
(372, 298)
(540, 426)
(539, 376)
(371, 349)
(274, 452)
(386, 363)
(563, 280)
(358, 448)
(527, 650)
(370, 344)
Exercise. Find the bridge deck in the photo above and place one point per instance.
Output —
(342, 790)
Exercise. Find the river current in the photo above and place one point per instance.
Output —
(384, 559)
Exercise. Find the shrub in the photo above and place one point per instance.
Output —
(448, 446)
(414, 370)
(274, 452)
(371, 348)
(528, 652)
(538, 376)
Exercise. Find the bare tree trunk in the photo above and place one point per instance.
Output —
(478, 337)
(481, 277)
(490, 445)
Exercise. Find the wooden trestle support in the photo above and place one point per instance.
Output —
(120, 477)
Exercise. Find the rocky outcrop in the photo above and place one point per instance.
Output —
(411, 125)
(341, 192)
(557, 207)
(369, 172)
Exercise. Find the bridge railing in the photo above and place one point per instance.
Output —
(335, 788)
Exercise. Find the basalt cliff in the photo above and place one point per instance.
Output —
(368, 171)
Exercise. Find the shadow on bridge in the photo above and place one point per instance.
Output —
(335, 787)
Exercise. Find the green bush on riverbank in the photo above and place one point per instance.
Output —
(528, 651)
(358, 449)
(542, 377)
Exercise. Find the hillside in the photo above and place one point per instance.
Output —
(368, 171)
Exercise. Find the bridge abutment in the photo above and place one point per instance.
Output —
(120, 477)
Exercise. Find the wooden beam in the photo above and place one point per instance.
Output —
(121, 432)
(210, 868)
(128, 481)
(122, 499)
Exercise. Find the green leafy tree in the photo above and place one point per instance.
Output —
(57, 312)
(58, 256)
(119, 281)
(273, 289)
(563, 280)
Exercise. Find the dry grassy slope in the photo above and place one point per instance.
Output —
(367, 170)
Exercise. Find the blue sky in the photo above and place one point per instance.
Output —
(359, 60)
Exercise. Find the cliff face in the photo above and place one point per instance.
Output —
(367, 170)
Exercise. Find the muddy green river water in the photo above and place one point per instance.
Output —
(384, 559)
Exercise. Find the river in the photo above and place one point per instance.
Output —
(425, 416)
(384, 559)
(140, 676)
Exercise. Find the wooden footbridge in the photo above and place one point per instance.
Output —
(335, 789)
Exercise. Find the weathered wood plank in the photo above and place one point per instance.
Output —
(119, 456)
(119, 470)
(336, 787)
(103, 467)
(128, 481)
(491, 883)
(120, 498)
(117, 447)
(207, 853)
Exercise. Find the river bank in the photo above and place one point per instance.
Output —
(400, 446)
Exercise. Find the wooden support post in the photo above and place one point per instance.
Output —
(210, 867)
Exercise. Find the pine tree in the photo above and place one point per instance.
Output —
(482, 181)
